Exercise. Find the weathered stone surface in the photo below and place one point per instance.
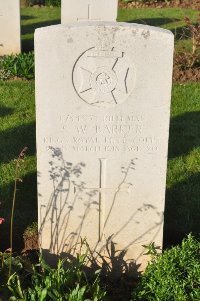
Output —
(88, 10)
(10, 27)
(103, 105)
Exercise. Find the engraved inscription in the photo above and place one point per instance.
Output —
(103, 78)
(105, 133)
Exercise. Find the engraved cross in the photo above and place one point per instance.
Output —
(89, 15)
(102, 190)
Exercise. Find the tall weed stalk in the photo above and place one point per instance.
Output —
(18, 163)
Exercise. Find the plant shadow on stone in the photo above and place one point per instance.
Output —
(65, 177)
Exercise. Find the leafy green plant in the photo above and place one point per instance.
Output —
(173, 275)
(5, 260)
(67, 282)
(20, 65)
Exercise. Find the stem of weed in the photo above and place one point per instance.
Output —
(19, 160)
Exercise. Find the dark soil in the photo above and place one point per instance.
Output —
(194, 4)
(182, 76)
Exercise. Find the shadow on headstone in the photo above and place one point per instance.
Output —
(113, 266)
(56, 217)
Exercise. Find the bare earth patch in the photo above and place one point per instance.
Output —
(192, 74)
(194, 4)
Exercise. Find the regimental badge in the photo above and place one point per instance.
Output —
(103, 78)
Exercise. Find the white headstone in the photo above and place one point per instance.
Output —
(88, 10)
(103, 105)
(9, 27)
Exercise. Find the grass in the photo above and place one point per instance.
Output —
(32, 18)
(185, 122)
(168, 18)
(17, 129)
(183, 190)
